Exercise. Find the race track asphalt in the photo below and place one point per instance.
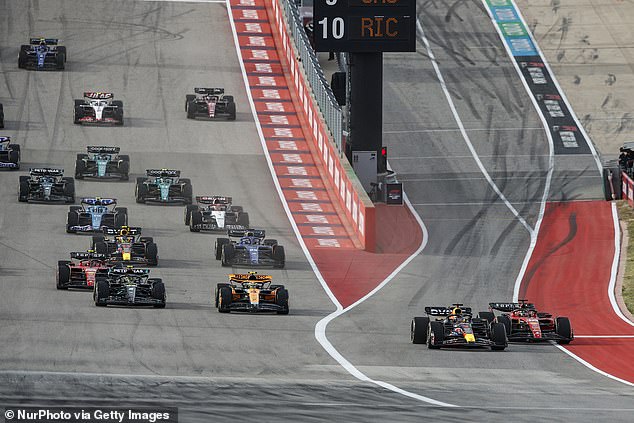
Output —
(57, 348)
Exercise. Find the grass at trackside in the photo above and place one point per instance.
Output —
(626, 215)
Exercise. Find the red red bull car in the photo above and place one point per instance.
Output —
(524, 323)
(82, 270)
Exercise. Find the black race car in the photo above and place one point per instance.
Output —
(127, 246)
(251, 292)
(98, 108)
(1, 116)
(163, 186)
(456, 327)
(250, 250)
(42, 54)
(129, 286)
(94, 214)
(214, 213)
(210, 103)
(9, 154)
(102, 162)
(46, 185)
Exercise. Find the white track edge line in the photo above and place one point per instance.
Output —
(463, 131)
(551, 155)
(591, 367)
(531, 249)
(320, 328)
(615, 266)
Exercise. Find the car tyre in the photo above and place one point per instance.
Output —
(435, 335)
(101, 293)
(498, 337)
(224, 299)
(418, 330)
(219, 244)
(564, 330)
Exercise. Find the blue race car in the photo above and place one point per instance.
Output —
(94, 214)
(9, 154)
(163, 186)
(251, 249)
(42, 54)
(102, 162)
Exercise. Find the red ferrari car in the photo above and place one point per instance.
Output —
(82, 270)
(524, 323)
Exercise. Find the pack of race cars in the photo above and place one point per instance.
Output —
(110, 268)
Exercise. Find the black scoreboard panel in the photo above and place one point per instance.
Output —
(364, 25)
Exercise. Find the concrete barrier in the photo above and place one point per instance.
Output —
(349, 192)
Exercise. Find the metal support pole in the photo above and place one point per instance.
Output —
(366, 103)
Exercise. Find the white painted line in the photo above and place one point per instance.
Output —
(591, 367)
(475, 203)
(615, 266)
(551, 161)
(466, 157)
(463, 131)
(414, 131)
(604, 336)
(522, 272)
(320, 328)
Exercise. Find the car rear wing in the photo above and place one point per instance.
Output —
(165, 173)
(444, 311)
(245, 277)
(102, 149)
(237, 233)
(99, 201)
(126, 230)
(129, 271)
(213, 199)
(48, 41)
(46, 171)
(97, 95)
(84, 255)
(209, 91)
(509, 307)
(5, 139)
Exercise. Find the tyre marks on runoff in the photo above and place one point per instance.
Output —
(567, 133)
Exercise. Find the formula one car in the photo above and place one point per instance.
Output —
(129, 286)
(210, 103)
(98, 108)
(1, 116)
(215, 213)
(524, 323)
(126, 245)
(251, 292)
(455, 327)
(251, 250)
(9, 154)
(94, 214)
(102, 162)
(163, 186)
(42, 54)
(46, 185)
(82, 270)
